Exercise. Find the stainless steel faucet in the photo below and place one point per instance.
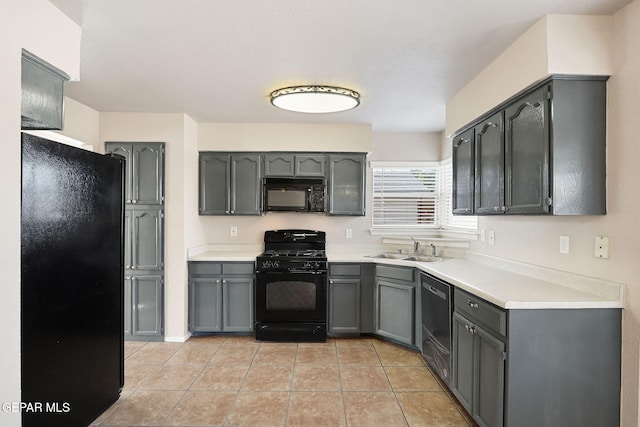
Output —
(433, 250)
(416, 246)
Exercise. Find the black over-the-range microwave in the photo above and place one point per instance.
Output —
(293, 195)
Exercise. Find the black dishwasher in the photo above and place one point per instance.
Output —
(436, 325)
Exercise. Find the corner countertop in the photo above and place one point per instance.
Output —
(507, 284)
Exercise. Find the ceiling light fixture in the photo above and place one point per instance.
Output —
(315, 99)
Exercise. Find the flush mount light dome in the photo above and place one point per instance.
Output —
(315, 99)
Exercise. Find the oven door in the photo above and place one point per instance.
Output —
(285, 297)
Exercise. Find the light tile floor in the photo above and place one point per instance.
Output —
(237, 381)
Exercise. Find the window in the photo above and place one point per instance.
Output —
(416, 196)
(406, 196)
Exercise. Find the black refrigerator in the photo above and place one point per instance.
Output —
(72, 334)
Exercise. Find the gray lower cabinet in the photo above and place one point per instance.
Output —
(536, 367)
(395, 314)
(346, 184)
(221, 296)
(344, 298)
(230, 183)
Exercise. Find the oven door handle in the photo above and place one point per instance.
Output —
(314, 272)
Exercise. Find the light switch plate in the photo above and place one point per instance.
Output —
(564, 244)
(601, 247)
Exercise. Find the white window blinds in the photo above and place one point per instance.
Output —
(449, 220)
(406, 196)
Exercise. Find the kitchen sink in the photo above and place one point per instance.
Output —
(405, 257)
(423, 258)
(389, 255)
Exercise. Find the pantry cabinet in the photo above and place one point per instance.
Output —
(541, 152)
(144, 166)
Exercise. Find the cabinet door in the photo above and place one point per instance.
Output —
(344, 305)
(463, 173)
(126, 151)
(128, 306)
(146, 299)
(146, 237)
(214, 184)
(488, 394)
(489, 177)
(309, 165)
(205, 304)
(346, 184)
(527, 144)
(237, 306)
(395, 311)
(279, 164)
(462, 361)
(245, 184)
(128, 239)
(148, 174)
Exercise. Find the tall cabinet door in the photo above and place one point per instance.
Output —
(147, 174)
(463, 173)
(126, 151)
(214, 184)
(462, 363)
(245, 184)
(346, 184)
(146, 299)
(489, 177)
(527, 145)
(147, 242)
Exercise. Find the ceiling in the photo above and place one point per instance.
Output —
(218, 60)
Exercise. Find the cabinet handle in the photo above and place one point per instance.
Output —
(217, 281)
(224, 282)
(472, 304)
(471, 329)
(500, 209)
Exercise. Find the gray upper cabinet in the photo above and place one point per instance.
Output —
(245, 184)
(527, 154)
(215, 184)
(346, 184)
(42, 94)
(294, 165)
(463, 173)
(279, 164)
(144, 182)
(230, 183)
(311, 165)
(489, 170)
(530, 161)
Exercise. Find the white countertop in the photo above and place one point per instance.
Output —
(508, 284)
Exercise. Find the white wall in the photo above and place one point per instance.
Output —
(556, 44)
(534, 239)
(57, 41)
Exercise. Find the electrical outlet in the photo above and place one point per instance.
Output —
(234, 231)
(348, 233)
(491, 235)
(601, 249)
(564, 244)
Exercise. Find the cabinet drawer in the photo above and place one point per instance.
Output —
(399, 273)
(205, 268)
(480, 311)
(239, 268)
(344, 269)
